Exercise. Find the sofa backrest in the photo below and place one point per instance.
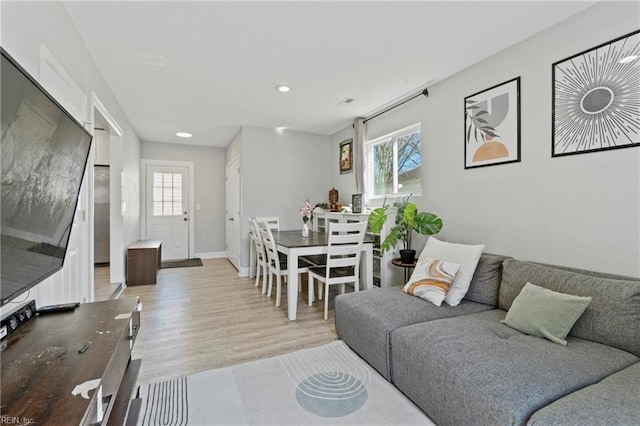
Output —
(486, 280)
(613, 316)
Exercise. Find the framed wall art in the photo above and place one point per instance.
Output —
(356, 203)
(596, 98)
(492, 125)
(346, 156)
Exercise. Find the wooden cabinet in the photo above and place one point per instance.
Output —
(384, 273)
(73, 367)
(143, 262)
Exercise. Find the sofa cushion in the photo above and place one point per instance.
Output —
(431, 279)
(613, 315)
(613, 401)
(467, 256)
(475, 370)
(486, 280)
(545, 313)
(365, 319)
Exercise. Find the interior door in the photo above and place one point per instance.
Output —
(75, 282)
(233, 212)
(167, 189)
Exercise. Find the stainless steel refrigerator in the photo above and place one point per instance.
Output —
(101, 215)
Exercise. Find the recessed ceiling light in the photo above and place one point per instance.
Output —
(283, 88)
(629, 59)
(184, 134)
(281, 128)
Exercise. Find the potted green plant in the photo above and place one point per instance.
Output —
(408, 219)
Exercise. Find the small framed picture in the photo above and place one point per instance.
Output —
(492, 125)
(356, 203)
(346, 156)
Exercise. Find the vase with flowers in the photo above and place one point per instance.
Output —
(307, 216)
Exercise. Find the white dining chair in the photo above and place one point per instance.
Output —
(277, 262)
(273, 222)
(262, 265)
(343, 260)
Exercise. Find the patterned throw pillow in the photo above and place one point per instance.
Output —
(465, 255)
(432, 279)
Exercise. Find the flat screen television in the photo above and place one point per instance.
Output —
(44, 153)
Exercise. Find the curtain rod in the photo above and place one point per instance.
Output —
(425, 92)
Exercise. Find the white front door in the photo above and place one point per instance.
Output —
(167, 215)
(233, 212)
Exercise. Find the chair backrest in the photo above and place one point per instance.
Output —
(269, 245)
(256, 237)
(345, 246)
(273, 222)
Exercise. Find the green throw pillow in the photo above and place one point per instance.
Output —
(545, 313)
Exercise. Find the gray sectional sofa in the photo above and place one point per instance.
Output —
(462, 366)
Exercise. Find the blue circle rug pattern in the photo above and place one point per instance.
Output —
(331, 394)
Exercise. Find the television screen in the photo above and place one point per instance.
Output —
(44, 153)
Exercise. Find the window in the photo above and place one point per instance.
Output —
(167, 194)
(394, 163)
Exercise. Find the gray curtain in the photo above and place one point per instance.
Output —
(358, 153)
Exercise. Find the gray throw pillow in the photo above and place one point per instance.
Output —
(545, 313)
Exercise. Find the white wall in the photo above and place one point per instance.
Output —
(209, 192)
(279, 171)
(24, 25)
(101, 145)
(234, 149)
(581, 211)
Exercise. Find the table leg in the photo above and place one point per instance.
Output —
(252, 259)
(292, 284)
(368, 267)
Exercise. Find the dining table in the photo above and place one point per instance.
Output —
(294, 245)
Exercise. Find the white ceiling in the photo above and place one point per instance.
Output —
(210, 67)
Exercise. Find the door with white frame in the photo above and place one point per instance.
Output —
(167, 209)
(233, 212)
(74, 282)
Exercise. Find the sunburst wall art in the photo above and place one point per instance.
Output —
(492, 125)
(596, 98)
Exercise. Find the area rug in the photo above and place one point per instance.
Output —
(327, 385)
(181, 263)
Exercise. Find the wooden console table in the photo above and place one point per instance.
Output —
(143, 262)
(48, 380)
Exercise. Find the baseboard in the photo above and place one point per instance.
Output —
(243, 272)
(117, 292)
(212, 255)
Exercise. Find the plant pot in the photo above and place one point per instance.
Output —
(407, 256)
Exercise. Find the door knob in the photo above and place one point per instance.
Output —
(185, 219)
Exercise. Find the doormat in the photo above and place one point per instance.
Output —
(181, 263)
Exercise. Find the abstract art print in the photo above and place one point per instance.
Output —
(492, 125)
(596, 98)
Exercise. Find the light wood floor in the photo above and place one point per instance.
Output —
(207, 317)
(102, 288)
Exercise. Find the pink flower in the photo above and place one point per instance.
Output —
(305, 211)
